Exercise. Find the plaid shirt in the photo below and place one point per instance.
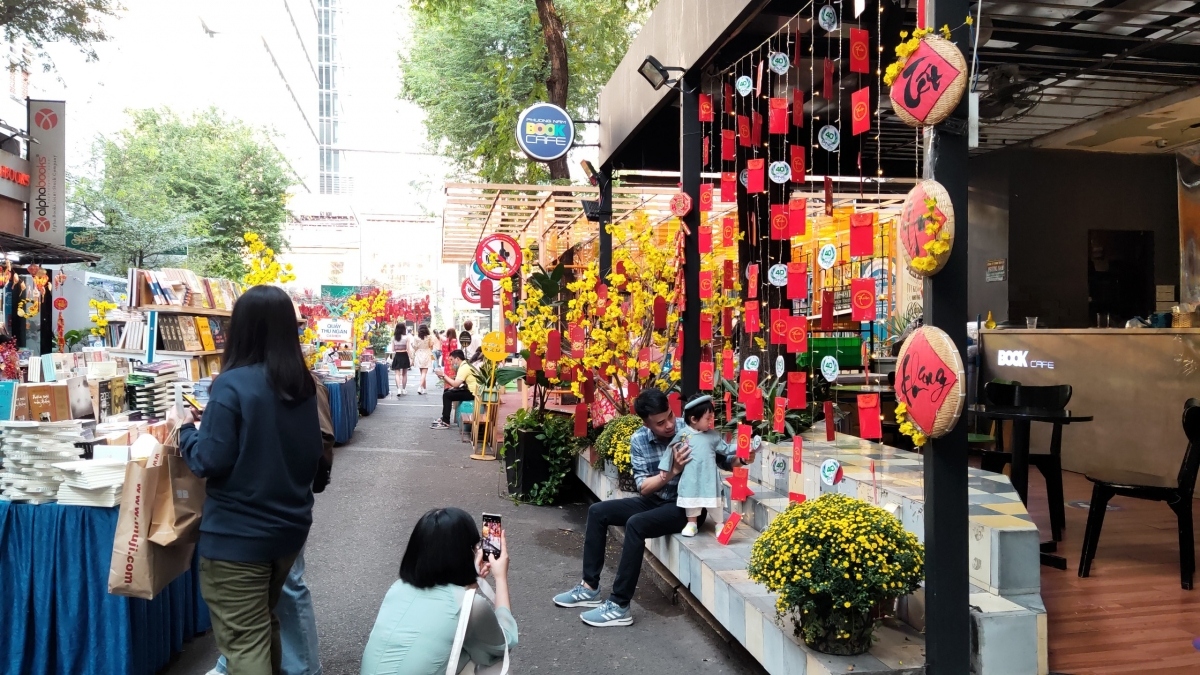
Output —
(646, 451)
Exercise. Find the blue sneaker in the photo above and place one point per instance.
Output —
(580, 596)
(608, 614)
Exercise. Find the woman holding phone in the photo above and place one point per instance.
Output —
(416, 627)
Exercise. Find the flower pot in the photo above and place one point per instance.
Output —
(491, 395)
(843, 632)
(625, 482)
(526, 464)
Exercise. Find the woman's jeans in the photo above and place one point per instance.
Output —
(297, 626)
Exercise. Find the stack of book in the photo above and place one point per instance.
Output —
(149, 388)
(182, 288)
(183, 333)
(30, 451)
(91, 482)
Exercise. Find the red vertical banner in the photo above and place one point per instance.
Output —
(728, 409)
(752, 280)
(705, 151)
(777, 116)
(829, 421)
(706, 197)
(660, 313)
(510, 338)
(828, 195)
(577, 338)
(862, 299)
(589, 389)
(553, 345)
(797, 454)
(706, 376)
(679, 347)
(706, 284)
(756, 127)
(754, 175)
(706, 108)
(601, 299)
(729, 275)
(728, 187)
(797, 288)
(798, 106)
(743, 131)
(798, 217)
(826, 310)
(754, 407)
(644, 363)
(728, 229)
(727, 530)
(921, 14)
(727, 321)
(797, 389)
(706, 233)
(632, 389)
(779, 321)
(798, 167)
(728, 145)
(743, 441)
(727, 365)
(860, 107)
(862, 234)
(727, 90)
(780, 223)
(860, 52)
(869, 424)
(797, 334)
(827, 89)
(706, 327)
(752, 318)
(780, 414)
(581, 418)
(486, 294)
(747, 385)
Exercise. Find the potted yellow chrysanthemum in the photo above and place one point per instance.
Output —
(834, 561)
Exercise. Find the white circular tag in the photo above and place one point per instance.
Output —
(779, 63)
(829, 137)
(780, 366)
(779, 465)
(829, 368)
(827, 18)
(780, 172)
(751, 363)
(827, 256)
(744, 85)
(831, 470)
(777, 275)
(756, 443)
(744, 177)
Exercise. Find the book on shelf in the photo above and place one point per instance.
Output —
(191, 337)
(181, 288)
(206, 337)
(216, 326)
(8, 400)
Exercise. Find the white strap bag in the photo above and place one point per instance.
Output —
(464, 617)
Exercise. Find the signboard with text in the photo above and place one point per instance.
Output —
(545, 132)
(334, 330)
(48, 171)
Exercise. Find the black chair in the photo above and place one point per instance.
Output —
(1053, 397)
(1176, 492)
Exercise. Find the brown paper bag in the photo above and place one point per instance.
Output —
(140, 568)
(178, 504)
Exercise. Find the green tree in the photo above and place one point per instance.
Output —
(75, 21)
(473, 67)
(168, 181)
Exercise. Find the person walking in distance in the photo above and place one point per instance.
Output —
(449, 344)
(400, 360)
(467, 341)
(422, 352)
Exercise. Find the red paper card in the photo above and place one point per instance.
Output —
(797, 288)
(777, 117)
(706, 238)
(754, 175)
(728, 187)
(486, 294)
(756, 127)
(705, 150)
(796, 497)
(510, 338)
(827, 89)
(581, 418)
(754, 408)
(869, 424)
(797, 454)
(780, 414)
(728, 233)
(797, 334)
(706, 376)
(601, 298)
(860, 106)
(923, 381)
(743, 441)
(860, 53)
(706, 108)
(728, 145)
(826, 310)
(739, 491)
(727, 364)
(706, 198)
(862, 299)
(828, 195)
(751, 317)
(779, 325)
(797, 157)
(676, 404)
(728, 99)
(797, 107)
(679, 348)
(632, 390)
(589, 390)
(553, 345)
(728, 275)
(780, 223)
(660, 313)
(747, 385)
(797, 388)
(743, 131)
(728, 528)
(829, 421)
(862, 234)
(706, 327)
(534, 362)
(644, 363)
(798, 217)
(727, 321)
(706, 284)
(752, 280)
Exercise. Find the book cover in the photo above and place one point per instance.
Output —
(206, 337)
(116, 387)
(40, 405)
(79, 398)
(60, 402)
(191, 338)
(216, 326)
(35, 369)
(48, 370)
(21, 404)
(8, 399)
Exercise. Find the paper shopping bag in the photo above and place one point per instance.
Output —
(179, 498)
(140, 568)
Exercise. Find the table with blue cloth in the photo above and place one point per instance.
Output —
(382, 375)
(368, 391)
(343, 402)
(56, 615)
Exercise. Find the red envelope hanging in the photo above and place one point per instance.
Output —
(728, 101)
(797, 288)
(727, 364)
(752, 319)
(797, 454)
(860, 111)
(754, 175)
(589, 389)
(754, 408)
(705, 150)
(660, 313)
(756, 127)
(860, 54)
(706, 284)
(601, 298)
(581, 419)
(862, 299)
(706, 108)
(743, 131)
(706, 197)
(727, 321)
(798, 106)
(553, 345)
(728, 145)
(743, 441)
(798, 217)
(830, 429)
(780, 414)
(510, 338)
(798, 169)
(739, 491)
(620, 270)
(576, 337)
(747, 385)
(777, 117)
(869, 424)
(826, 310)
(706, 327)
(728, 528)
(796, 497)
(728, 275)
(675, 403)
(797, 388)
(506, 302)
(644, 363)
(827, 89)
(752, 280)
(678, 349)
(706, 376)
(780, 223)
(534, 362)
(797, 334)
(862, 234)
(486, 294)
(828, 196)
(728, 187)
(706, 231)
(779, 320)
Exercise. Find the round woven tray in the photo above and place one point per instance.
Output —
(951, 404)
(951, 95)
(912, 218)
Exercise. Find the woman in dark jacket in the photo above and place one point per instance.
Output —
(259, 446)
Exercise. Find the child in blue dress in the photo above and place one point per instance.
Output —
(699, 484)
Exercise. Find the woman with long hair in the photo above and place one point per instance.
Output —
(422, 349)
(416, 627)
(259, 446)
(449, 344)
(400, 361)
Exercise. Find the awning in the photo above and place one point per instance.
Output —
(34, 252)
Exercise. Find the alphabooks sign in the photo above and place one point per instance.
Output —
(48, 171)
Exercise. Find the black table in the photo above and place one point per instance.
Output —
(1021, 419)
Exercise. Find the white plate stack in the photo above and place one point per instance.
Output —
(91, 482)
(30, 450)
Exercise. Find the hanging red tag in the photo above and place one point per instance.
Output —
(798, 169)
(727, 364)
(534, 362)
(797, 108)
(728, 187)
(869, 424)
(779, 319)
(486, 294)
(862, 299)
(619, 270)
(797, 388)
(644, 363)
(798, 217)
(728, 233)
(727, 322)
(728, 408)
(830, 429)
(660, 313)
(706, 284)
(706, 108)
(706, 376)
(510, 338)
(706, 327)
(754, 175)
(860, 115)
(728, 275)
(780, 223)
(797, 454)
(752, 319)
(860, 54)
(706, 197)
(728, 100)
(706, 238)
(553, 345)
(796, 497)
(728, 145)
(743, 131)
(589, 389)
(777, 117)
(826, 310)
(752, 280)
(797, 334)
(754, 408)
(601, 299)
(797, 288)
(747, 385)
(728, 528)
(675, 403)
(678, 361)
(739, 489)
(827, 90)
(743, 441)
(756, 127)
(862, 234)
(705, 151)
(780, 414)
(576, 336)
(581, 419)
(828, 196)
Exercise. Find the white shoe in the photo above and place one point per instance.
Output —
(689, 530)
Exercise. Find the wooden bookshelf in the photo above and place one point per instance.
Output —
(180, 309)
(164, 352)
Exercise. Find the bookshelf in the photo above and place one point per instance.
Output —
(181, 309)
(164, 352)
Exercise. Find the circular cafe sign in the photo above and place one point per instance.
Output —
(780, 172)
(545, 132)
(827, 256)
(829, 137)
(777, 275)
(779, 63)
(744, 85)
(829, 368)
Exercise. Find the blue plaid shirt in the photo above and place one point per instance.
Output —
(646, 451)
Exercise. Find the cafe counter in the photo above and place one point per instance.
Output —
(1133, 381)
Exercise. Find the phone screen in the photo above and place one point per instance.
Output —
(491, 535)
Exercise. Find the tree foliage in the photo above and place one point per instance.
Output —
(473, 67)
(75, 21)
(168, 181)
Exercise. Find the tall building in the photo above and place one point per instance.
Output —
(328, 61)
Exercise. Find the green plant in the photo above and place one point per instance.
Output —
(559, 448)
(833, 561)
(900, 322)
(380, 338)
(504, 375)
(613, 443)
(74, 337)
(795, 422)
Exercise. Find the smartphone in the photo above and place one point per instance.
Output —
(191, 400)
(491, 535)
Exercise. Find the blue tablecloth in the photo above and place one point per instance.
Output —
(385, 378)
(343, 400)
(368, 392)
(56, 615)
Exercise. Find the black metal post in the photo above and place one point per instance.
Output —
(690, 159)
(605, 219)
(947, 614)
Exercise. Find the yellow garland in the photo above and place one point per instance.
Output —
(907, 427)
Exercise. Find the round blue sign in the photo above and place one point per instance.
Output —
(545, 132)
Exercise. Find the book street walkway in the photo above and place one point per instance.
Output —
(396, 468)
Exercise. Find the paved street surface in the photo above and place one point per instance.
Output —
(395, 469)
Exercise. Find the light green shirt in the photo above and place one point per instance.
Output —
(415, 629)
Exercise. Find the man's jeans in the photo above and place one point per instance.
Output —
(297, 626)
(644, 518)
